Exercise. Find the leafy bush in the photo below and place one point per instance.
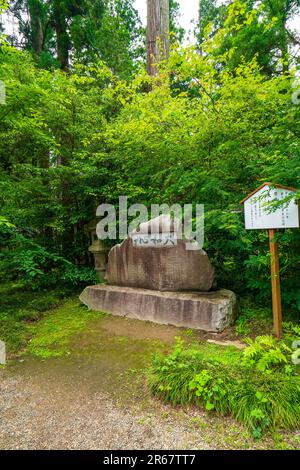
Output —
(39, 268)
(260, 401)
(291, 331)
(267, 354)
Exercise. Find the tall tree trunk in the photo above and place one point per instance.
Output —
(284, 44)
(158, 25)
(62, 44)
(62, 36)
(36, 26)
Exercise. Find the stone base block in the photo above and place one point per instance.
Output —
(211, 311)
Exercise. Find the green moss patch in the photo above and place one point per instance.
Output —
(52, 336)
(19, 310)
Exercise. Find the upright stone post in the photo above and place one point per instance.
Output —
(2, 353)
(99, 252)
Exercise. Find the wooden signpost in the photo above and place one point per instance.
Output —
(260, 215)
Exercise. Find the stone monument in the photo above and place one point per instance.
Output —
(153, 276)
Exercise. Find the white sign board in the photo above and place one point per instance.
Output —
(259, 214)
(155, 240)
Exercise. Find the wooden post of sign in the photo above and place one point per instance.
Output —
(258, 217)
(275, 277)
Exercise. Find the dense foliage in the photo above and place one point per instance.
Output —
(230, 383)
(59, 32)
(209, 129)
(253, 28)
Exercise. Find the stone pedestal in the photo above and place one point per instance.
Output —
(212, 311)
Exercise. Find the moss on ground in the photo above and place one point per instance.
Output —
(40, 323)
(53, 334)
(19, 310)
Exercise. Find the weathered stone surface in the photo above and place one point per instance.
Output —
(156, 275)
(169, 268)
(213, 311)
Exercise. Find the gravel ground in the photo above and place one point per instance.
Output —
(96, 398)
(38, 414)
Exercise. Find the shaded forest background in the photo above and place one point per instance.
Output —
(83, 123)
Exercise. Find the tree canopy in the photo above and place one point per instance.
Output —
(83, 123)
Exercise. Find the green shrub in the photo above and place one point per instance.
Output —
(266, 401)
(291, 331)
(261, 401)
(267, 354)
(39, 268)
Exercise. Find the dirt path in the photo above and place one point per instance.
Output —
(63, 416)
(92, 399)
(96, 398)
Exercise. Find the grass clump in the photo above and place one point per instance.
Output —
(229, 387)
